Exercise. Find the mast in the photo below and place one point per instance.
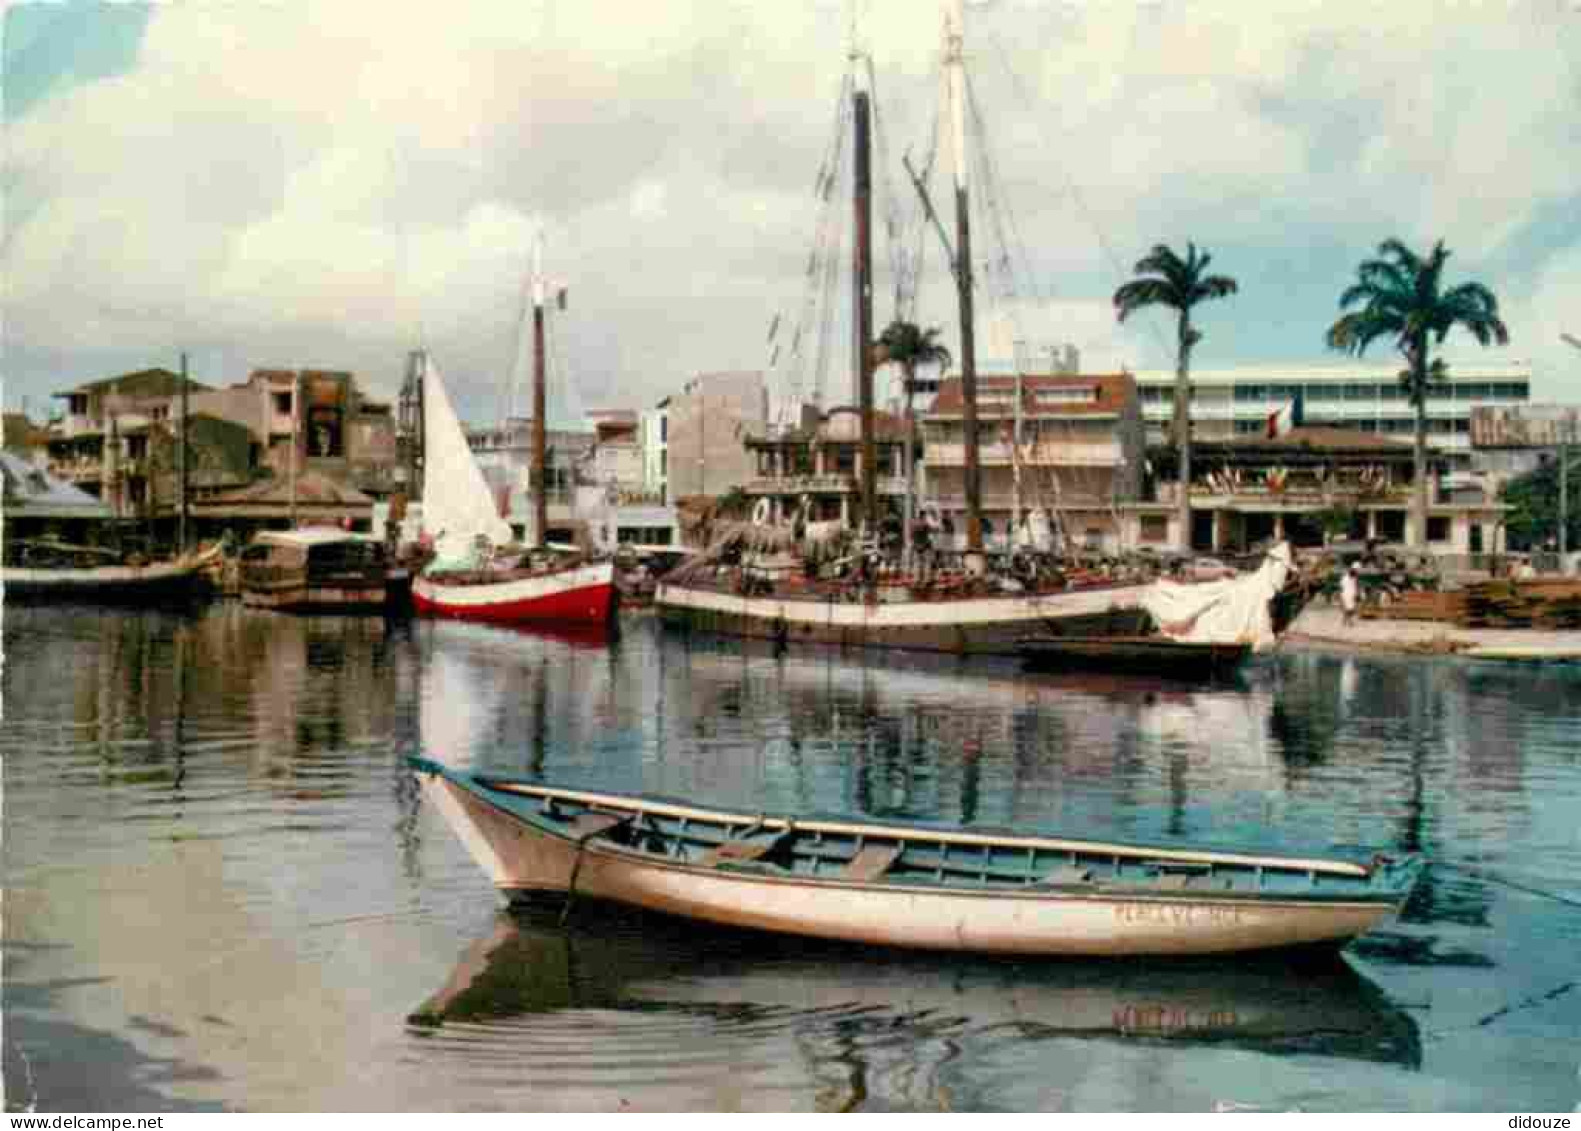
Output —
(862, 293)
(296, 422)
(538, 477)
(955, 75)
(181, 522)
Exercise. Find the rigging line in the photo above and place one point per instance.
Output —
(1074, 193)
(794, 380)
(891, 207)
(510, 385)
(1015, 247)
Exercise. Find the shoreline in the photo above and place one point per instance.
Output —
(1323, 626)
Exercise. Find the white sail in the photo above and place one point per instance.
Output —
(458, 507)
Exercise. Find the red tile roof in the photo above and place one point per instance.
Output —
(1115, 391)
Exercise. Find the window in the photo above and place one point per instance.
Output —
(1437, 528)
(664, 429)
(845, 462)
(282, 404)
(1155, 528)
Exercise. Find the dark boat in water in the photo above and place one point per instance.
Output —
(62, 574)
(1151, 655)
(320, 569)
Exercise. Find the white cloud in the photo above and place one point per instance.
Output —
(335, 182)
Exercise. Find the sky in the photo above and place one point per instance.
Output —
(286, 183)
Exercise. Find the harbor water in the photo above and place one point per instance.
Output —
(223, 891)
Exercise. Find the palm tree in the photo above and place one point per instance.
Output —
(1401, 297)
(1164, 279)
(909, 346)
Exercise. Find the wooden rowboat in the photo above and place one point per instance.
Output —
(907, 885)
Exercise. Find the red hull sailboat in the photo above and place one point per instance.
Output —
(478, 573)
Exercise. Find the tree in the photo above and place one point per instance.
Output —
(1533, 501)
(910, 347)
(1164, 279)
(1401, 296)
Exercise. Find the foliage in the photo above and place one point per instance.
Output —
(1164, 279)
(1335, 521)
(1400, 296)
(1533, 499)
(909, 346)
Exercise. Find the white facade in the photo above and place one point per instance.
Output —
(1369, 398)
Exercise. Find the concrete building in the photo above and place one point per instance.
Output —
(1081, 455)
(1366, 398)
(708, 421)
(819, 463)
(656, 451)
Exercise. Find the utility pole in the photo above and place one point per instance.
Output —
(296, 425)
(1566, 430)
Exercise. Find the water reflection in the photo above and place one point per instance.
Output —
(860, 1020)
(208, 816)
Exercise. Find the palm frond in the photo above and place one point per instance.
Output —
(1139, 293)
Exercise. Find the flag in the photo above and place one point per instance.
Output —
(1281, 420)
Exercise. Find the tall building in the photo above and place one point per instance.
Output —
(708, 421)
(1368, 398)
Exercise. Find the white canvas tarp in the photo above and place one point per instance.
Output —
(1233, 611)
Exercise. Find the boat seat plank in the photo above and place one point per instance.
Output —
(741, 851)
(586, 826)
(1068, 874)
(871, 862)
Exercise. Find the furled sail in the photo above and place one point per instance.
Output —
(1234, 611)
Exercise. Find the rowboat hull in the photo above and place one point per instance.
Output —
(525, 857)
(578, 595)
(958, 626)
(151, 584)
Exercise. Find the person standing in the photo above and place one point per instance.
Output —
(1350, 592)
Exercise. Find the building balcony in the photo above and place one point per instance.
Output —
(73, 426)
(1050, 454)
(822, 485)
(1005, 500)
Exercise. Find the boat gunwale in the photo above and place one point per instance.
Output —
(765, 823)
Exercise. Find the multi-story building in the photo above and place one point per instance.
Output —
(1365, 398)
(1312, 484)
(656, 450)
(1080, 455)
(818, 465)
(504, 453)
(707, 423)
(286, 433)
